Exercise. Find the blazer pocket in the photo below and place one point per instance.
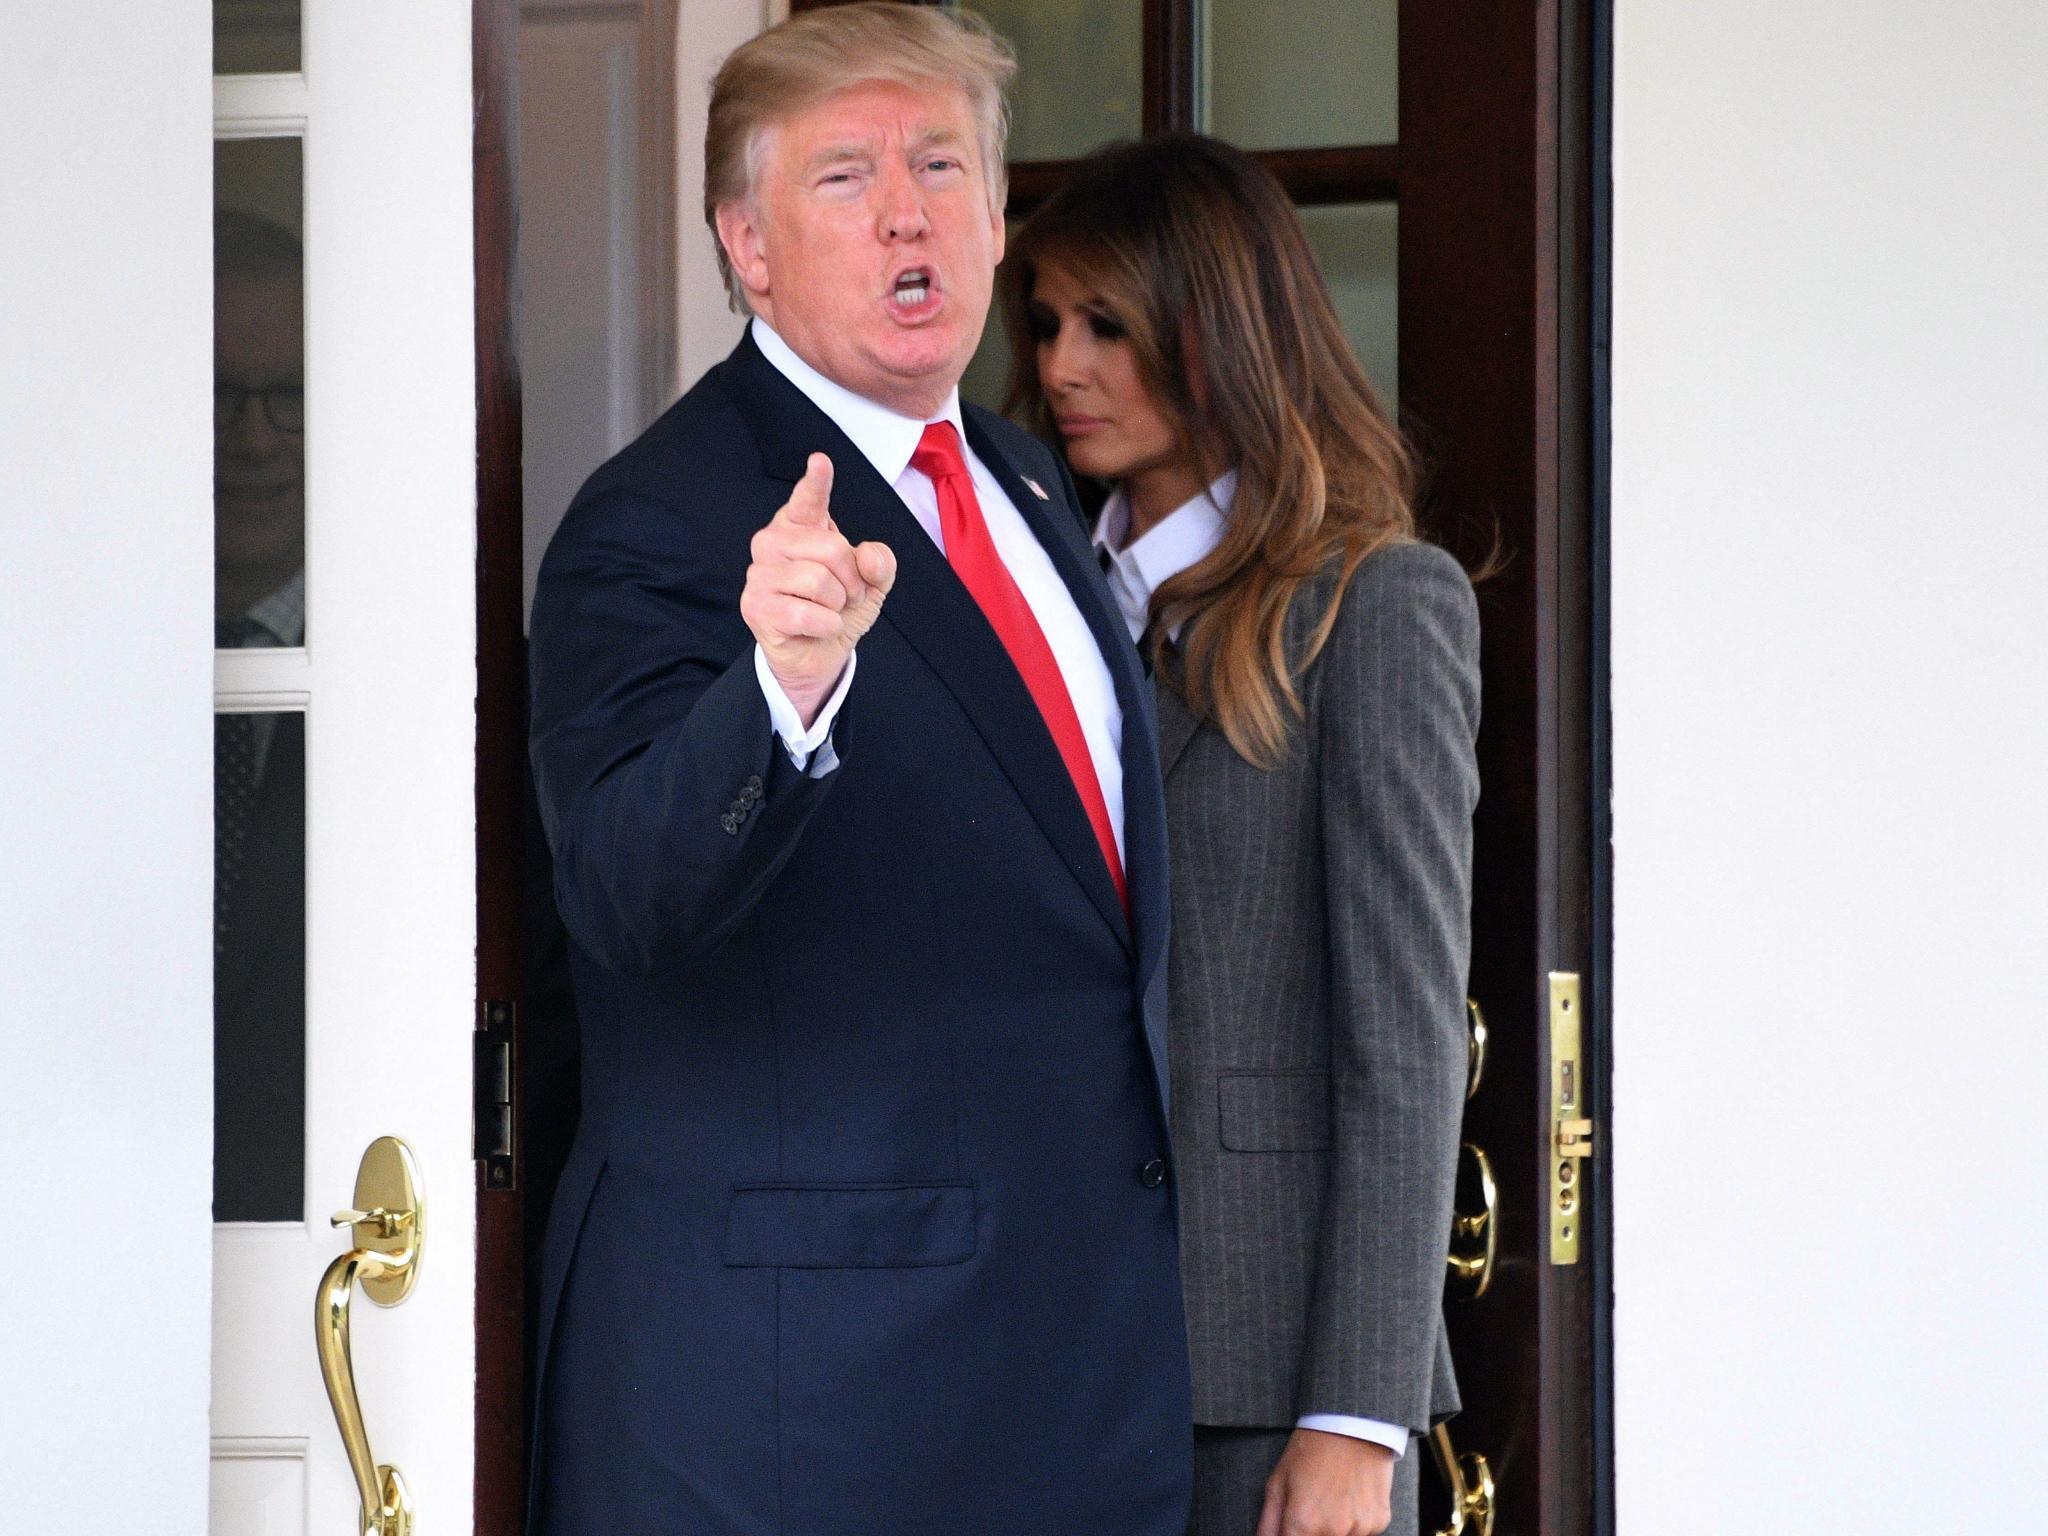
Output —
(1274, 1111)
(850, 1226)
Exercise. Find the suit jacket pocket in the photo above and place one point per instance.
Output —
(1274, 1111)
(850, 1226)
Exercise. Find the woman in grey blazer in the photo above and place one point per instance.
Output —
(1318, 677)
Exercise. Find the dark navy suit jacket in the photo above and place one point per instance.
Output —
(864, 1229)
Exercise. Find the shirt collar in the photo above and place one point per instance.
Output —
(1185, 537)
(885, 439)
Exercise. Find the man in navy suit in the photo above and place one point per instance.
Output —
(849, 771)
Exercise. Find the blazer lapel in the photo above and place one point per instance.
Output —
(1177, 725)
(931, 609)
(1145, 870)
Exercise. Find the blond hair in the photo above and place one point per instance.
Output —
(794, 66)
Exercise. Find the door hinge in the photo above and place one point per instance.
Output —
(1571, 1124)
(494, 1138)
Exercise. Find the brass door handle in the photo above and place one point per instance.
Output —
(388, 1224)
(1469, 1482)
(1475, 1047)
(1476, 1268)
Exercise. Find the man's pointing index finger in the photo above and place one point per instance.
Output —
(809, 504)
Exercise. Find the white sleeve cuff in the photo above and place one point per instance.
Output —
(1393, 1436)
(799, 743)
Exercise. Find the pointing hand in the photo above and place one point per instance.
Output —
(810, 595)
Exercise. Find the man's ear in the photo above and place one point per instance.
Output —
(740, 232)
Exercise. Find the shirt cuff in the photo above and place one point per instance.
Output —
(1393, 1436)
(810, 750)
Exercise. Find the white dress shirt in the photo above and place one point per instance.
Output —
(1136, 569)
(887, 441)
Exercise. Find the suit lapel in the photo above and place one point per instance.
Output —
(1145, 871)
(935, 615)
(1177, 725)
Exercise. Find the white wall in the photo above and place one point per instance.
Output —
(1831, 815)
(106, 711)
(582, 354)
(580, 342)
(706, 31)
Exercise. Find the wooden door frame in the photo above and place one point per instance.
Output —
(504, 1192)
(500, 1491)
(1599, 325)
(1499, 387)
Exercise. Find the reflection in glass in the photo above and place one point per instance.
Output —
(252, 37)
(259, 405)
(1298, 74)
(1355, 246)
(988, 371)
(1080, 73)
(259, 967)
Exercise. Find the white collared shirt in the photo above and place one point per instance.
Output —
(887, 441)
(1186, 536)
(1136, 569)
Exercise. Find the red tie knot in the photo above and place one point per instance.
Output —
(938, 452)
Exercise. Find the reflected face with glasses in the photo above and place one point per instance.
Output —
(259, 413)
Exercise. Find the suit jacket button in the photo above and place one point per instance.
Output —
(1153, 1174)
(753, 789)
(730, 822)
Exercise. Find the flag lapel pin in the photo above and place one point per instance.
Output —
(1036, 489)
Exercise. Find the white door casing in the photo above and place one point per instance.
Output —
(387, 681)
(105, 623)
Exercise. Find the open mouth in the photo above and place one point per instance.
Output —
(913, 289)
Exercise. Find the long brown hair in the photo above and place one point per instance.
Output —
(1193, 249)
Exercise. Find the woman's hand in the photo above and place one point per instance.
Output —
(1329, 1485)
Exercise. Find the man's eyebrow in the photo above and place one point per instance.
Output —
(833, 154)
(933, 137)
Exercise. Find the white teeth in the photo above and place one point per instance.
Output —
(909, 296)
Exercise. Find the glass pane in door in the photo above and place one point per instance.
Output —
(1299, 74)
(1355, 246)
(259, 967)
(1080, 73)
(255, 37)
(988, 371)
(259, 402)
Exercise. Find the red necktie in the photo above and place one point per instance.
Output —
(975, 561)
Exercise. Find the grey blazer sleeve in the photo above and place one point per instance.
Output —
(1396, 710)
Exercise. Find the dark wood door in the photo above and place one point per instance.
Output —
(1497, 114)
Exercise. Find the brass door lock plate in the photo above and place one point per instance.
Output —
(1571, 1124)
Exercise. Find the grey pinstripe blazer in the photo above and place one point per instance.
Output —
(1321, 933)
